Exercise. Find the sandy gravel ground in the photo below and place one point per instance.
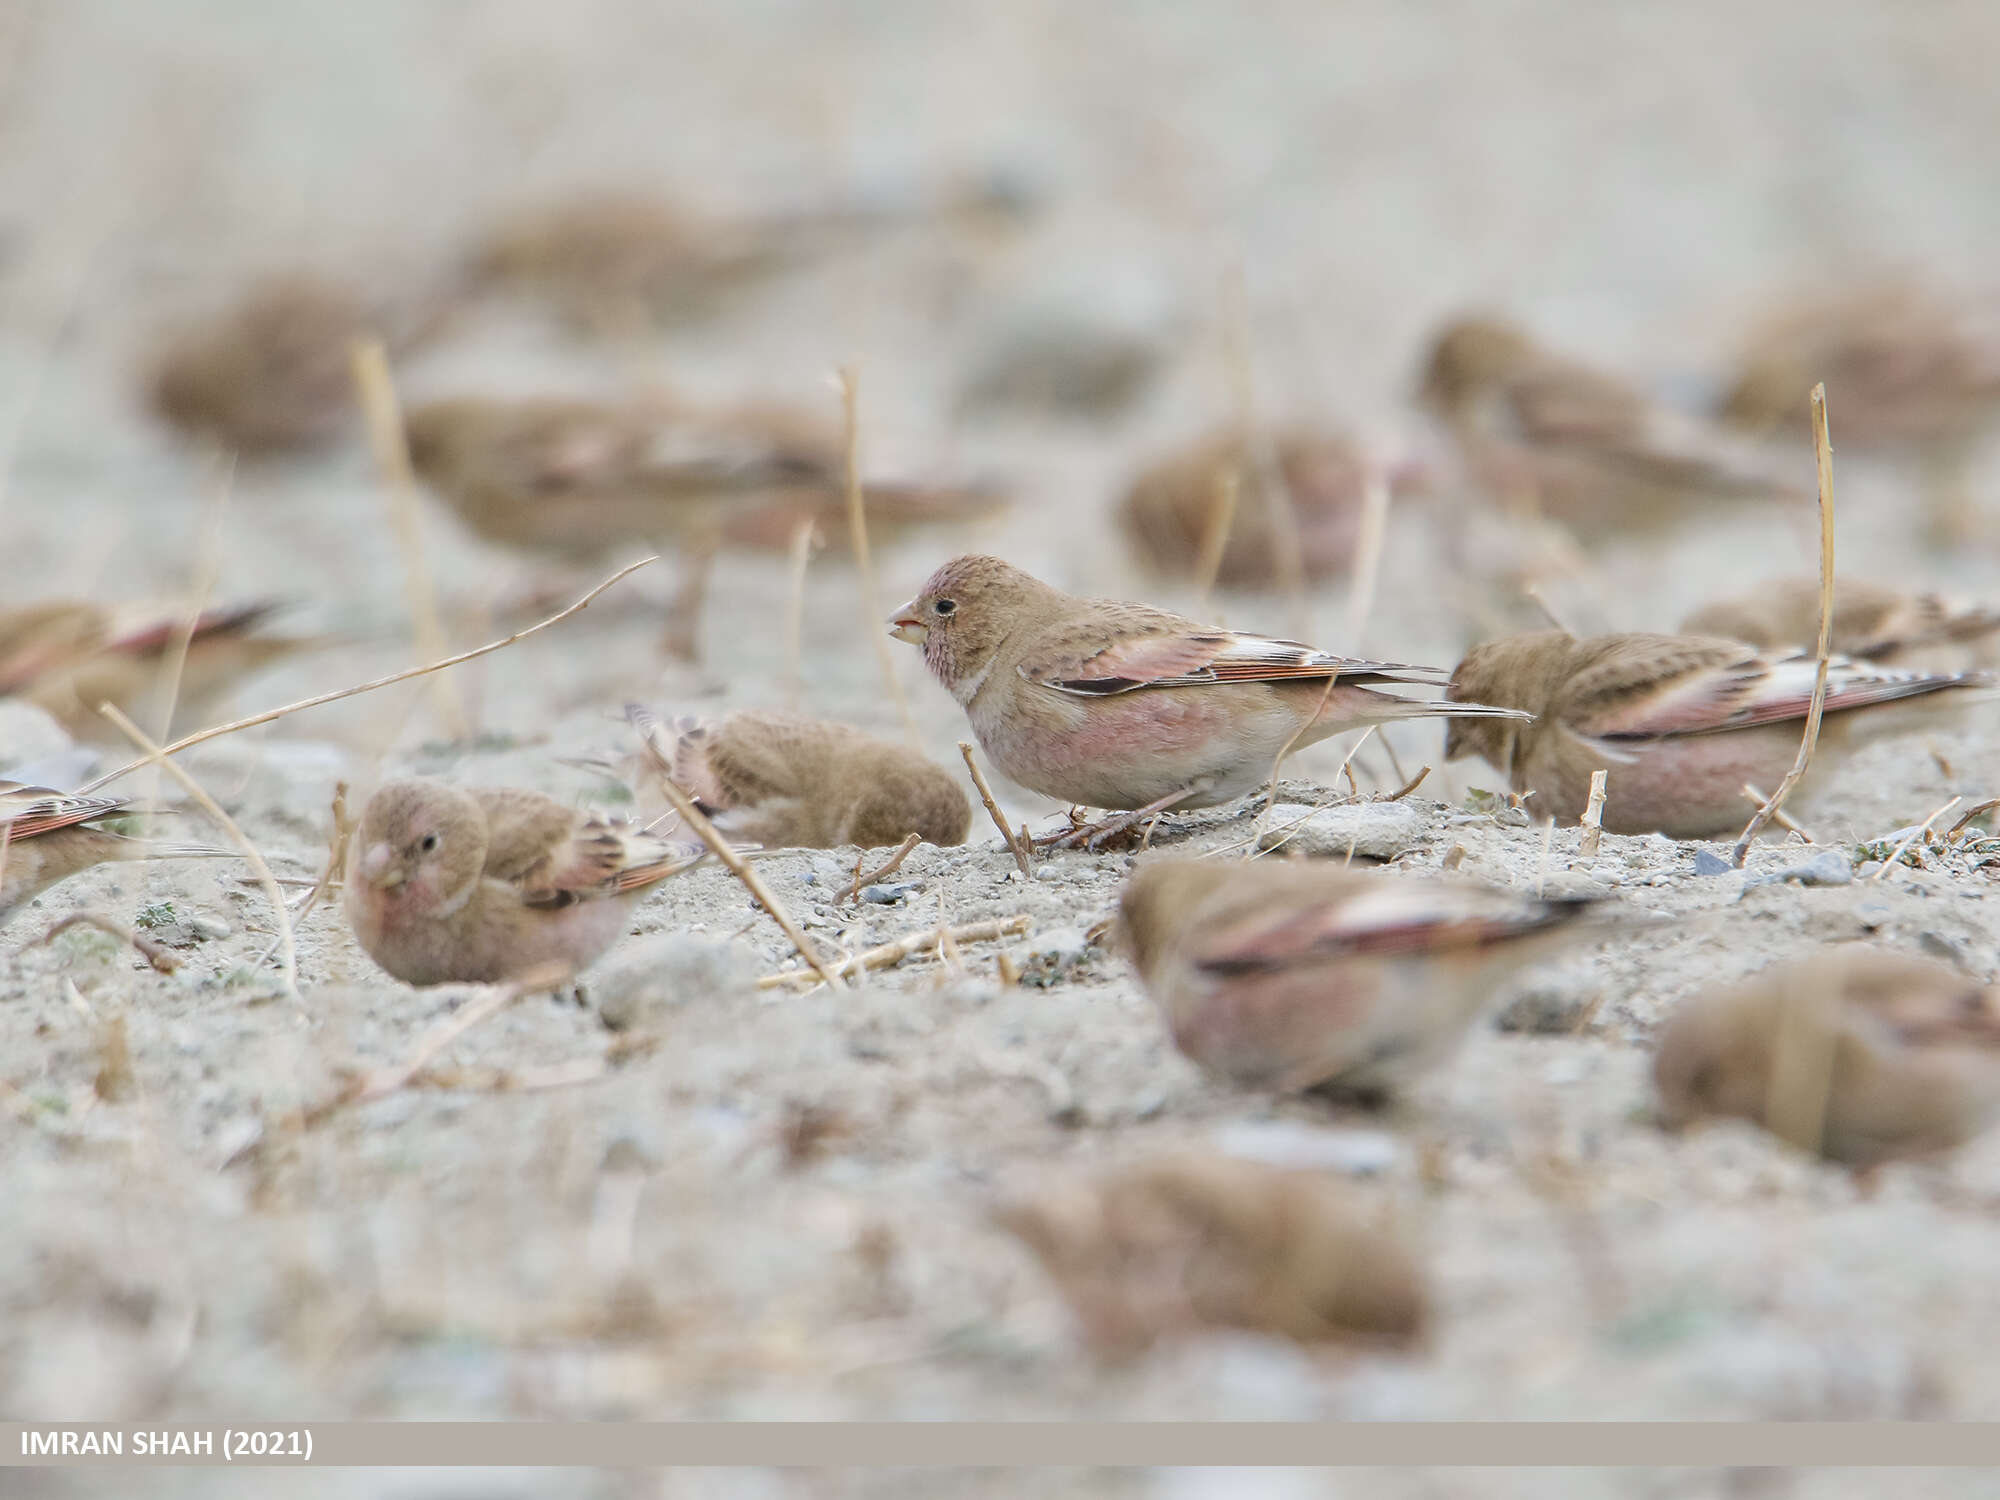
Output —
(1633, 182)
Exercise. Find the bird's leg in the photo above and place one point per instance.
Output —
(1094, 835)
(683, 636)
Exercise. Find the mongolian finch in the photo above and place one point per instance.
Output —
(47, 836)
(1288, 976)
(1173, 1247)
(445, 885)
(1858, 1054)
(783, 781)
(271, 374)
(1550, 435)
(1902, 365)
(1680, 722)
(1917, 632)
(577, 479)
(66, 657)
(1171, 507)
(1122, 706)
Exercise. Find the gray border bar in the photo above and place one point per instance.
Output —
(1013, 1444)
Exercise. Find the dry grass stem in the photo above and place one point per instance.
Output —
(1367, 559)
(151, 951)
(1823, 452)
(873, 619)
(341, 828)
(174, 665)
(385, 1081)
(279, 911)
(1910, 839)
(1278, 760)
(1542, 859)
(1537, 598)
(888, 867)
(1593, 818)
(695, 819)
(217, 731)
(1215, 536)
(888, 955)
(1018, 846)
(1756, 798)
(1409, 786)
(369, 361)
(804, 535)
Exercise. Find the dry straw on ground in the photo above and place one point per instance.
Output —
(1823, 451)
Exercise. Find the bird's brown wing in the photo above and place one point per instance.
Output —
(28, 810)
(1383, 919)
(1173, 653)
(1643, 687)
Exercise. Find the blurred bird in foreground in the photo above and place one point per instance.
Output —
(1122, 706)
(483, 885)
(47, 836)
(1549, 435)
(580, 478)
(1906, 369)
(67, 657)
(1173, 509)
(1681, 722)
(1917, 632)
(270, 374)
(1195, 1242)
(1858, 1054)
(1285, 975)
(787, 782)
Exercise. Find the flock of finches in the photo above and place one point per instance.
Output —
(1273, 974)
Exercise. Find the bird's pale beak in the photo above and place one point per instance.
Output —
(379, 869)
(907, 625)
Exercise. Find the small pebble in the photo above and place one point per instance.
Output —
(1828, 867)
(1373, 830)
(1708, 862)
(889, 893)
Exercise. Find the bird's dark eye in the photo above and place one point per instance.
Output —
(945, 606)
(428, 843)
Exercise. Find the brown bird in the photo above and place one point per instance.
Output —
(1903, 366)
(1906, 370)
(1199, 1241)
(47, 836)
(1861, 1055)
(477, 886)
(1550, 435)
(1122, 706)
(579, 478)
(271, 374)
(67, 657)
(1917, 632)
(1680, 722)
(1284, 975)
(617, 263)
(787, 782)
(1169, 511)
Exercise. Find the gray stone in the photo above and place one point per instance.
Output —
(1828, 867)
(1373, 830)
(1708, 862)
(888, 893)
